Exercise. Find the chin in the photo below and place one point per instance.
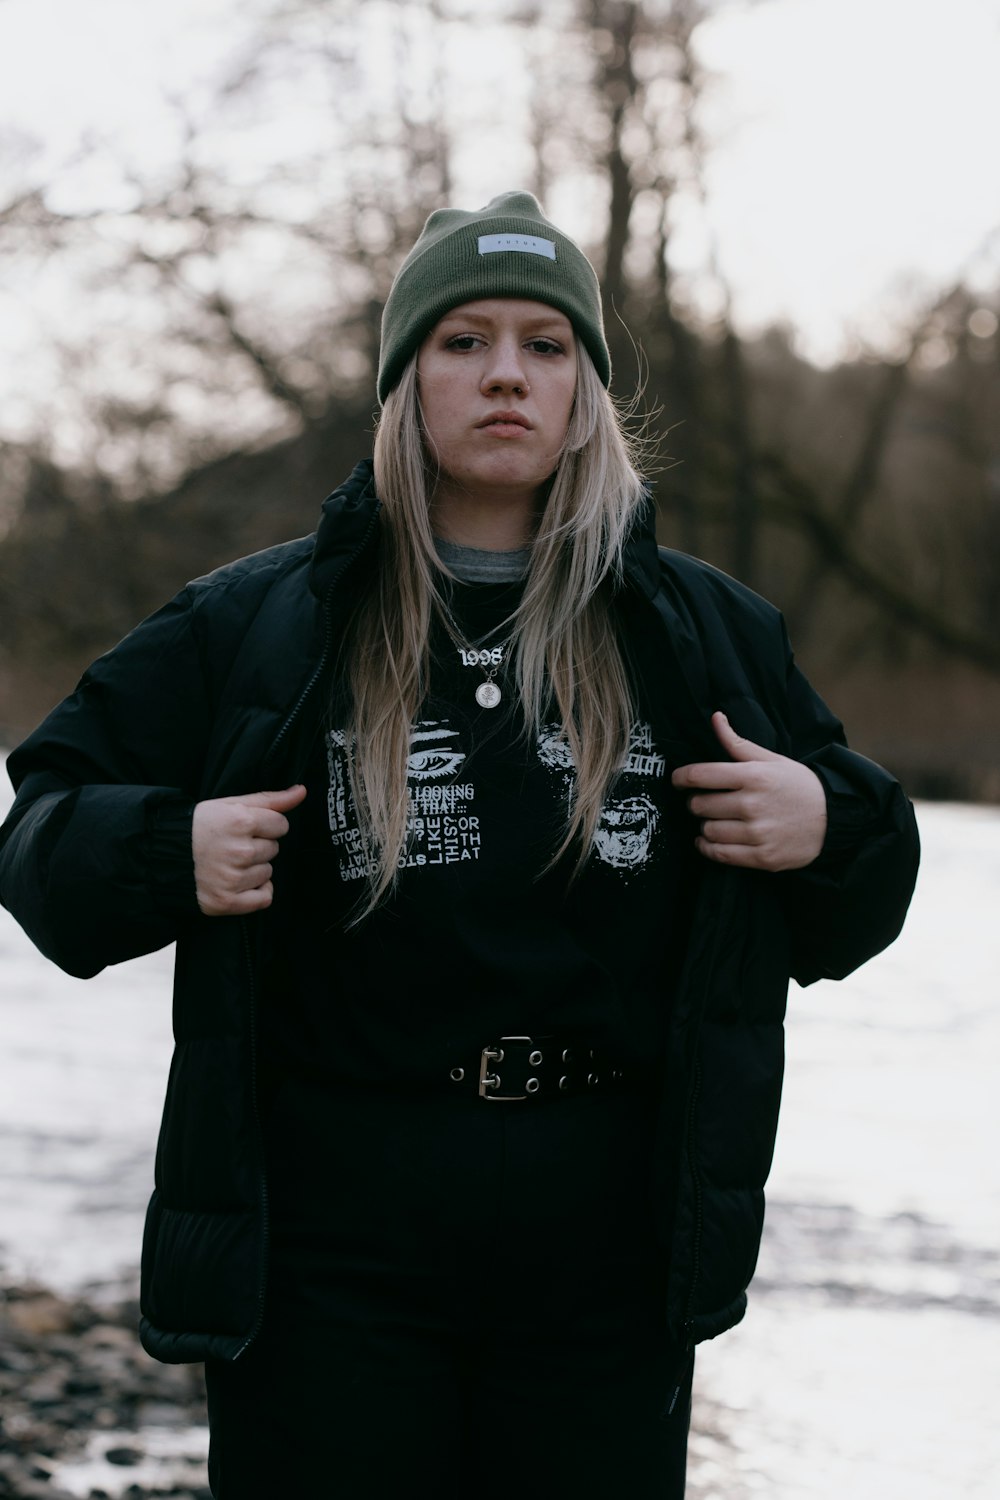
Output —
(518, 478)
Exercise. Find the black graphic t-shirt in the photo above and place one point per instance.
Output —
(479, 939)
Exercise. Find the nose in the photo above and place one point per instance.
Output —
(505, 368)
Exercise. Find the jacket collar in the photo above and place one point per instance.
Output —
(349, 513)
(346, 525)
(640, 557)
(684, 670)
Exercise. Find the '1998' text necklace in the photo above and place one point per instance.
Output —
(488, 659)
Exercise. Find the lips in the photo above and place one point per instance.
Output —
(500, 421)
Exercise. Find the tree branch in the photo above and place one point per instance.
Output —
(792, 503)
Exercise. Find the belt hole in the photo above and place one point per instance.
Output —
(457, 1074)
(531, 1087)
(534, 1058)
(566, 1054)
(564, 1084)
(591, 1078)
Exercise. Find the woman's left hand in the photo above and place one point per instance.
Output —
(759, 810)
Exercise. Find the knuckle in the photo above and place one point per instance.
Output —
(214, 906)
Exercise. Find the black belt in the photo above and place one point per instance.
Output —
(541, 1067)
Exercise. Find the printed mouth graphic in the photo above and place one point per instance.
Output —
(624, 834)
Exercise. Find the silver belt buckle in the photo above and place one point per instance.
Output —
(490, 1082)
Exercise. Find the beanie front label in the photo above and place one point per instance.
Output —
(527, 244)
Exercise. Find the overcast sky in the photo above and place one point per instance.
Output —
(854, 160)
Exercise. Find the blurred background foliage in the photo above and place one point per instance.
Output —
(222, 379)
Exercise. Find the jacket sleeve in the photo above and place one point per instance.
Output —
(95, 856)
(850, 902)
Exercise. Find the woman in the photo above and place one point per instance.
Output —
(478, 1019)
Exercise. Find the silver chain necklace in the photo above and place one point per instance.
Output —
(488, 659)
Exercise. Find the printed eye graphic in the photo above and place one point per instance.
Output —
(423, 765)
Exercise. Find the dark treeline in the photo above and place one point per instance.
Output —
(864, 499)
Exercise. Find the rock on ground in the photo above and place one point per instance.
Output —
(70, 1368)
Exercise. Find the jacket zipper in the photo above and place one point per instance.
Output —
(263, 1189)
(699, 1202)
(688, 1322)
(692, 1110)
(296, 710)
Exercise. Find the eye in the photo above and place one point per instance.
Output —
(462, 342)
(546, 346)
(422, 765)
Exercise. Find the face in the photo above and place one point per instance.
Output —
(496, 380)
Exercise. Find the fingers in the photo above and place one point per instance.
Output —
(236, 903)
(718, 831)
(234, 843)
(261, 814)
(731, 843)
(729, 804)
(735, 745)
(261, 823)
(758, 810)
(282, 801)
(746, 856)
(251, 878)
(262, 851)
(721, 775)
(740, 770)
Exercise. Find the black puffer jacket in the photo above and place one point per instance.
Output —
(221, 692)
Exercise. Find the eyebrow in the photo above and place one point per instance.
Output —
(555, 319)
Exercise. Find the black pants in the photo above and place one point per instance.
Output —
(464, 1295)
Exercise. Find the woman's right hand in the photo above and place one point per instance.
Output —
(234, 841)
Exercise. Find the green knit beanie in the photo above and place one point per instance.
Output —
(507, 249)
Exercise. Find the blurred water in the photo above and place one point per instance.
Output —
(869, 1363)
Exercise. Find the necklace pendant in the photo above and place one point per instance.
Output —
(487, 695)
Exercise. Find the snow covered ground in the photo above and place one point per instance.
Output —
(869, 1362)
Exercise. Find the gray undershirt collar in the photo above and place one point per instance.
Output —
(477, 565)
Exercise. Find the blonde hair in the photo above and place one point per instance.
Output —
(566, 653)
